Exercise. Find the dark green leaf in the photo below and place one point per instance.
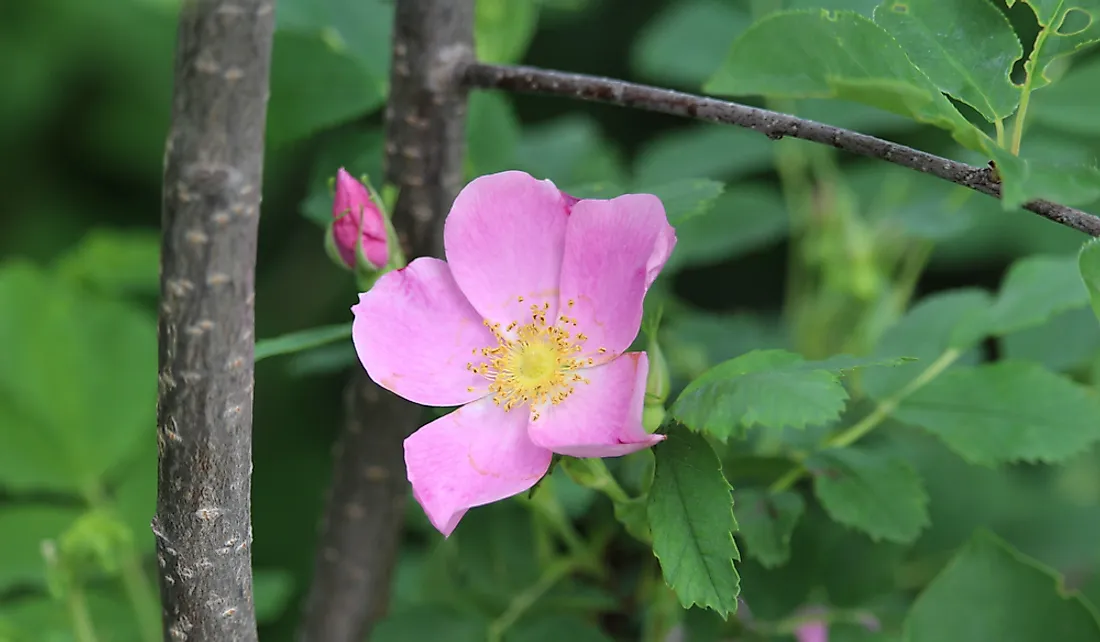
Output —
(359, 27)
(1067, 104)
(356, 149)
(1035, 289)
(685, 43)
(1004, 412)
(1069, 341)
(570, 150)
(745, 218)
(303, 340)
(766, 522)
(1068, 25)
(880, 495)
(965, 47)
(719, 152)
(691, 518)
(556, 628)
(431, 623)
(503, 29)
(991, 592)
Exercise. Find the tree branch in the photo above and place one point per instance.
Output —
(211, 201)
(425, 143)
(772, 124)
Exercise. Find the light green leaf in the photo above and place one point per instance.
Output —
(1068, 104)
(314, 86)
(1005, 412)
(1067, 26)
(77, 382)
(272, 592)
(989, 591)
(686, 199)
(745, 218)
(492, 134)
(880, 495)
(503, 29)
(822, 54)
(965, 47)
(691, 518)
(685, 42)
(115, 261)
(361, 28)
(1025, 179)
(771, 388)
(766, 522)
(1089, 263)
(719, 152)
(303, 340)
(1036, 289)
(22, 531)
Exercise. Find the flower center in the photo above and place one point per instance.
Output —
(534, 366)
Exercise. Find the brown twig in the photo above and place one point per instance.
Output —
(425, 136)
(211, 206)
(772, 124)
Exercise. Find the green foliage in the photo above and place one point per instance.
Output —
(503, 29)
(1089, 263)
(691, 517)
(304, 340)
(1065, 27)
(1036, 289)
(766, 522)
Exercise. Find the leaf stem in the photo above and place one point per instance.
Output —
(1025, 91)
(83, 627)
(522, 602)
(881, 412)
(140, 592)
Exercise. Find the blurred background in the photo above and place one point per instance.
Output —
(85, 91)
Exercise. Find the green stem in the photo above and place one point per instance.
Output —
(140, 593)
(550, 510)
(1025, 91)
(525, 600)
(83, 627)
(605, 481)
(881, 412)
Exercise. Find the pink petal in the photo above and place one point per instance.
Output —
(812, 632)
(415, 333)
(476, 455)
(614, 249)
(602, 418)
(357, 221)
(504, 239)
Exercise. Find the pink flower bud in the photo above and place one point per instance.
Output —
(358, 232)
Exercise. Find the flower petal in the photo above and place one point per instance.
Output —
(504, 239)
(476, 455)
(614, 249)
(602, 418)
(415, 333)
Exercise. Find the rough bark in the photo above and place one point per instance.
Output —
(210, 214)
(425, 142)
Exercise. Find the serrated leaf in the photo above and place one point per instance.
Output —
(1005, 412)
(880, 495)
(770, 388)
(965, 47)
(766, 522)
(685, 42)
(743, 219)
(1067, 26)
(77, 381)
(1088, 262)
(1025, 179)
(691, 519)
(1036, 289)
(303, 340)
(822, 54)
(115, 261)
(687, 198)
(503, 29)
(989, 591)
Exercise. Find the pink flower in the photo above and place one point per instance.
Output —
(357, 228)
(525, 326)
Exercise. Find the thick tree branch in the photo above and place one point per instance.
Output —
(772, 124)
(211, 208)
(425, 136)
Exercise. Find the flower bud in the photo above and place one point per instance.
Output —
(357, 236)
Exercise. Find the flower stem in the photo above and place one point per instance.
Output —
(83, 627)
(522, 602)
(1030, 67)
(881, 412)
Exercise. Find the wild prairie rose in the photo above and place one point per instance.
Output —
(525, 326)
(358, 232)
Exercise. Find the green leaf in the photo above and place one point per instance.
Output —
(965, 47)
(570, 149)
(555, 628)
(1068, 342)
(115, 261)
(361, 28)
(43, 619)
(880, 495)
(492, 134)
(1089, 263)
(822, 54)
(991, 592)
(77, 382)
(272, 592)
(691, 518)
(431, 623)
(1067, 26)
(770, 388)
(745, 218)
(719, 152)
(686, 41)
(503, 29)
(314, 86)
(1067, 104)
(766, 522)
(1026, 179)
(1005, 412)
(1036, 289)
(686, 199)
(24, 529)
(303, 340)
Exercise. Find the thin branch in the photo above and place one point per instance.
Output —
(211, 209)
(772, 124)
(425, 142)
